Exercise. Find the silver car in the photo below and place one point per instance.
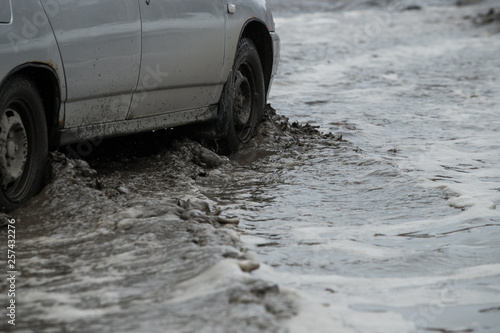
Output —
(76, 70)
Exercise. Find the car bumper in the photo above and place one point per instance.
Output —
(276, 57)
(276, 51)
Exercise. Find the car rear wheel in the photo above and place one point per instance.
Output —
(243, 98)
(23, 143)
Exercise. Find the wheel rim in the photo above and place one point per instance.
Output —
(243, 103)
(13, 148)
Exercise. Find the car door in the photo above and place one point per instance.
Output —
(100, 46)
(182, 55)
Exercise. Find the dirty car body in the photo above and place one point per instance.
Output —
(84, 70)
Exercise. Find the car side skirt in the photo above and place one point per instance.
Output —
(131, 126)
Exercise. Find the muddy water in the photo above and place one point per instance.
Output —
(398, 228)
(390, 224)
(131, 246)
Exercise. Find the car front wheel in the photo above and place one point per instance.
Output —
(23, 143)
(243, 98)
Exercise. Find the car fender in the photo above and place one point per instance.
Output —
(246, 13)
(28, 41)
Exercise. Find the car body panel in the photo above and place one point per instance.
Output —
(96, 132)
(28, 40)
(246, 12)
(183, 43)
(100, 46)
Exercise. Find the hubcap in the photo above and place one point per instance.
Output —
(13, 147)
(242, 103)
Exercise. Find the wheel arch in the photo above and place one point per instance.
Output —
(45, 79)
(257, 31)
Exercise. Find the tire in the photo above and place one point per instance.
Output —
(243, 99)
(23, 143)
